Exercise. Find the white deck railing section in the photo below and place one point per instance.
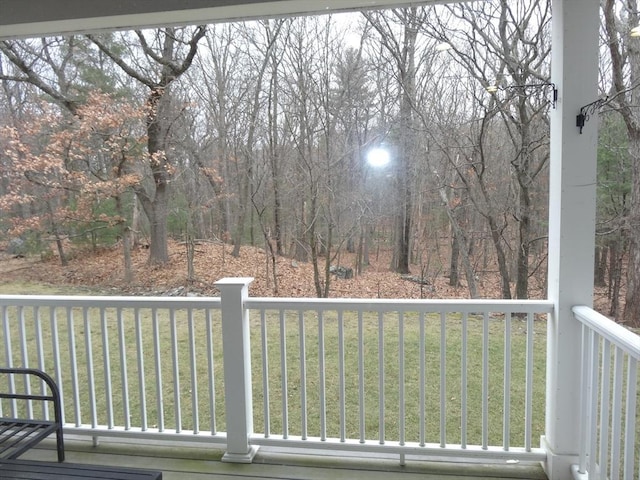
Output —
(403, 377)
(443, 378)
(609, 407)
(125, 366)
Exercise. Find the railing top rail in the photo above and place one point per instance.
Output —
(612, 331)
(393, 305)
(108, 301)
(306, 304)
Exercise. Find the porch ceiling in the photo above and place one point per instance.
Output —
(36, 18)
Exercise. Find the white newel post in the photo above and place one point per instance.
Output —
(574, 69)
(237, 369)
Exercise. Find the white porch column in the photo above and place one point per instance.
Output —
(237, 369)
(574, 69)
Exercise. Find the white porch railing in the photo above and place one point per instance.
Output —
(125, 366)
(428, 391)
(430, 378)
(609, 407)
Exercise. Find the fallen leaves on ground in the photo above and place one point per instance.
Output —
(103, 271)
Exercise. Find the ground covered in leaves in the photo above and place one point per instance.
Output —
(103, 271)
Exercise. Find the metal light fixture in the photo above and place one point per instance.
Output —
(528, 86)
(590, 109)
(635, 32)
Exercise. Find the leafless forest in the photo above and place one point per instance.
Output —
(260, 133)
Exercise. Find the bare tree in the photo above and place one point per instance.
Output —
(403, 53)
(251, 124)
(48, 64)
(168, 54)
(625, 74)
(274, 141)
(507, 44)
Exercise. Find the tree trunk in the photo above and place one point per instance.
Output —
(453, 263)
(631, 315)
(362, 250)
(59, 241)
(300, 250)
(60, 246)
(502, 258)
(313, 244)
(274, 156)
(462, 243)
(369, 231)
(327, 262)
(135, 223)
(524, 229)
(406, 151)
(600, 266)
(127, 241)
(616, 255)
(190, 246)
(157, 214)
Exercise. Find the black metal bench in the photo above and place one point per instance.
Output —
(19, 433)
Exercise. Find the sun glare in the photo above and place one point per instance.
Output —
(378, 157)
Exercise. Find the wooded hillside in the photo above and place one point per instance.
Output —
(257, 134)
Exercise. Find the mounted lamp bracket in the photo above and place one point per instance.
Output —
(587, 111)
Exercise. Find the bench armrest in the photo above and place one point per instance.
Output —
(27, 431)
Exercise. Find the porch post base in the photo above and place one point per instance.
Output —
(558, 466)
(577, 475)
(229, 457)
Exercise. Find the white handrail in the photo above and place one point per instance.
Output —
(609, 330)
(401, 305)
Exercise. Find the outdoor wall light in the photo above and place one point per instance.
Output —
(590, 109)
(529, 86)
(635, 32)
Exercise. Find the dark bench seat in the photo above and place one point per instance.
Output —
(36, 470)
(18, 433)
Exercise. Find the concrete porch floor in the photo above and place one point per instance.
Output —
(199, 463)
